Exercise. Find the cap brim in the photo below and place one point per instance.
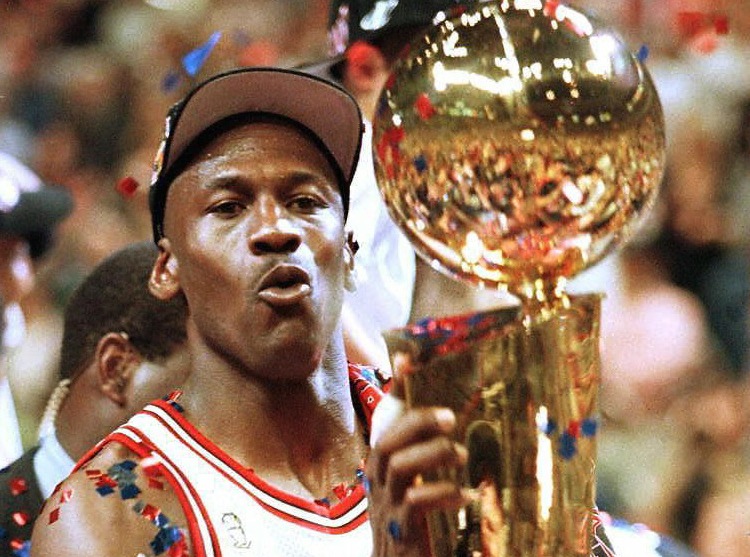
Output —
(36, 211)
(329, 69)
(316, 103)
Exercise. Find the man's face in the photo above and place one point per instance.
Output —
(254, 235)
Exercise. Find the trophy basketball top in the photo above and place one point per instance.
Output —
(517, 143)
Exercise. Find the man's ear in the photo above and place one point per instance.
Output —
(164, 281)
(116, 361)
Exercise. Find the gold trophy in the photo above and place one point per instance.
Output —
(516, 144)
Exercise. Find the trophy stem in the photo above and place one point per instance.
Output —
(524, 387)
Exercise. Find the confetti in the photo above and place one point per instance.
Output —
(18, 486)
(66, 495)
(127, 186)
(20, 548)
(193, 61)
(420, 163)
(643, 53)
(424, 107)
(567, 448)
(21, 518)
(692, 24)
(54, 515)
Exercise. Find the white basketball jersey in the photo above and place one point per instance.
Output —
(230, 511)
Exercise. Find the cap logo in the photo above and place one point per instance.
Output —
(159, 158)
(338, 34)
(379, 16)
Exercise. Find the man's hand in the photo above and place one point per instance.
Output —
(417, 445)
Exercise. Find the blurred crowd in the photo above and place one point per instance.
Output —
(84, 85)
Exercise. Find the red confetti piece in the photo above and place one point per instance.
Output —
(18, 486)
(16, 544)
(66, 495)
(179, 548)
(155, 484)
(21, 518)
(93, 473)
(574, 429)
(550, 8)
(721, 24)
(150, 512)
(692, 24)
(341, 490)
(127, 187)
(151, 466)
(105, 480)
(424, 107)
(54, 515)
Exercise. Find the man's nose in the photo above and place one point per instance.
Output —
(275, 232)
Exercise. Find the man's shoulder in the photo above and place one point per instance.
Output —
(115, 503)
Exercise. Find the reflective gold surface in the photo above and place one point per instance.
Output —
(525, 398)
(518, 143)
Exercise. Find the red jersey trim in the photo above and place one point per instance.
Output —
(140, 444)
(332, 520)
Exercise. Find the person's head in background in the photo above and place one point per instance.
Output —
(121, 348)
(29, 214)
(365, 37)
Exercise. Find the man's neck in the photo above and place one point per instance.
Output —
(302, 436)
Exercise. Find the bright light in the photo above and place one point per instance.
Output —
(505, 86)
(544, 467)
(473, 248)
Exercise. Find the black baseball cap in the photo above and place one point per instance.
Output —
(30, 209)
(322, 108)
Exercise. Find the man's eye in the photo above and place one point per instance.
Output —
(226, 208)
(307, 203)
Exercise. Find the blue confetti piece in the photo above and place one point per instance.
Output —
(643, 53)
(171, 81)
(157, 544)
(161, 520)
(105, 490)
(24, 550)
(420, 163)
(3, 533)
(394, 529)
(589, 427)
(550, 427)
(193, 61)
(129, 491)
(164, 539)
(567, 448)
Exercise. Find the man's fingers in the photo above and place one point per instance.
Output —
(417, 425)
(414, 427)
(438, 453)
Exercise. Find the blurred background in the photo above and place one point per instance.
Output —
(84, 87)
